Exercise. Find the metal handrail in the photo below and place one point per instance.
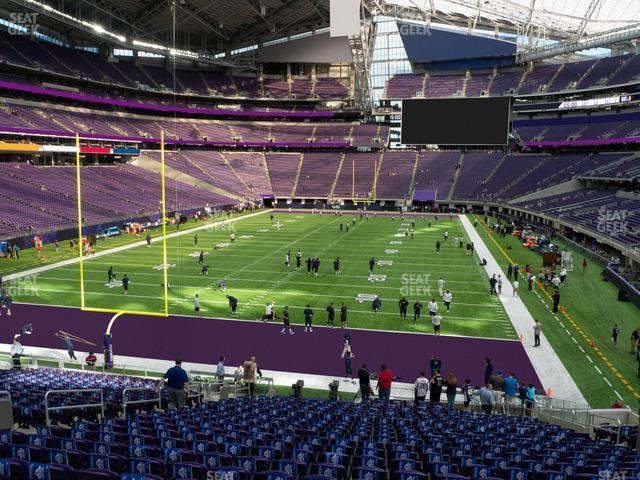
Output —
(47, 408)
(126, 402)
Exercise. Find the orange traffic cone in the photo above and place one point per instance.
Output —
(549, 392)
(561, 309)
(521, 338)
(593, 344)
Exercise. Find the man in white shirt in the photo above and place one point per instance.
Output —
(16, 352)
(441, 286)
(421, 388)
(268, 312)
(436, 319)
(433, 307)
(448, 298)
(555, 281)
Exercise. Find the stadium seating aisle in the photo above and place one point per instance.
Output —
(284, 439)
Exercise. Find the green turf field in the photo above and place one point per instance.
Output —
(254, 270)
(591, 303)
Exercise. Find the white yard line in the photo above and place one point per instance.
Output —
(548, 366)
(122, 248)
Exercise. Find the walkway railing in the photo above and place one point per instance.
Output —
(80, 406)
(127, 401)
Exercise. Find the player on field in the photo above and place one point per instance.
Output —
(233, 303)
(232, 237)
(205, 270)
(298, 260)
(417, 308)
(436, 320)
(196, 304)
(308, 319)
(433, 307)
(403, 304)
(447, 298)
(376, 304)
(285, 321)
(269, 314)
(438, 247)
(331, 314)
(372, 263)
(309, 263)
(148, 240)
(287, 260)
(446, 235)
(201, 257)
(316, 265)
(195, 239)
(125, 284)
(336, 266)
(441, 283)
(110, 275)
(343, 316)
(222, 285)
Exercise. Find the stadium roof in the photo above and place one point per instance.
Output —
(560, 18)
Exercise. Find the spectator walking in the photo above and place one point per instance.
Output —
(16, 352)
(516, 287)
(452, 390)
(531, 399)
(437, 382)
(384, 383)
(177, 382)
(488, 369)
(556, 299)
(220, 370)
(493, 281)
(497, 385)
(421, 387)
(486, 399)
(537, 328)
(510, 389)
(251, 373)
(467, 391)
(364, 380)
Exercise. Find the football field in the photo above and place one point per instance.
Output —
(254, 271)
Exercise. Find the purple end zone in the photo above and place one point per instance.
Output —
(203, 340)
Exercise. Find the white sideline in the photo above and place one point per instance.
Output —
(71, 261)
(545, 361)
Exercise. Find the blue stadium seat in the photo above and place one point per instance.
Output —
(368, 473)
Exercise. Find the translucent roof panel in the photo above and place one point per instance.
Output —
(561, 15)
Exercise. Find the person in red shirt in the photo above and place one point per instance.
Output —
(384, 383)
(617, 404)
(91, 360)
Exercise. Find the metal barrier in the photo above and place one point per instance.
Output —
(47, 408)
(126, 402)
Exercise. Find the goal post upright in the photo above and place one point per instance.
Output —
(118, 312)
